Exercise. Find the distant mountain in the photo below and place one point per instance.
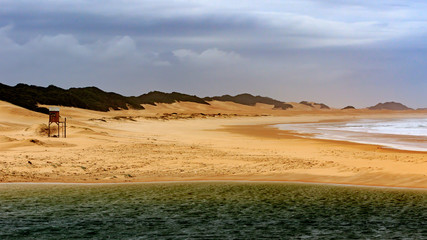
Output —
(389, 106)
(92, 98)
(250, 100)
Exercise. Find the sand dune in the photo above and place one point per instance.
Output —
(189, 141)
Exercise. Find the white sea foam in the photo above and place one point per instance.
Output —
(406, 134)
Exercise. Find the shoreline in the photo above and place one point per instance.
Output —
(404, 142)
(218, 181)
(279, 133)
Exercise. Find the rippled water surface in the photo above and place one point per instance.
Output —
(210, 210)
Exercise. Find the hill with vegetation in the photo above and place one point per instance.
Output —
(28, 96)
(250, 100)
(93, 98)
(314, 104)
(348, 107)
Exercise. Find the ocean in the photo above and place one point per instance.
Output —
(404, 134)
(210, 210)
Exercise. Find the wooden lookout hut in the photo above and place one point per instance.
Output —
(54, 117)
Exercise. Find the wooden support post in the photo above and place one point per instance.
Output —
(65, 128)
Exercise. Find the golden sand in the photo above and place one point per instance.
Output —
(188, 141)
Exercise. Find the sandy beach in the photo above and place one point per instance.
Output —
(189, 141)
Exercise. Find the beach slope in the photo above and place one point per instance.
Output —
(189, 141)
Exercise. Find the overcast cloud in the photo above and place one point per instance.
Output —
(338, 52)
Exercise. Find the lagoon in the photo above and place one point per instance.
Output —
(210, 210)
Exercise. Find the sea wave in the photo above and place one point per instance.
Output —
(412, 127)
(405, 134)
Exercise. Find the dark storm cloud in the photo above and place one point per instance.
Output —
(80, 24)
(290, 50)
(293, 24)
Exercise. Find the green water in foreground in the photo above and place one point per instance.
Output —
(210, 210)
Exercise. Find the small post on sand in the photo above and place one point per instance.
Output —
(65, 128)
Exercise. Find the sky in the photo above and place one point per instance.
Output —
(337, 52)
